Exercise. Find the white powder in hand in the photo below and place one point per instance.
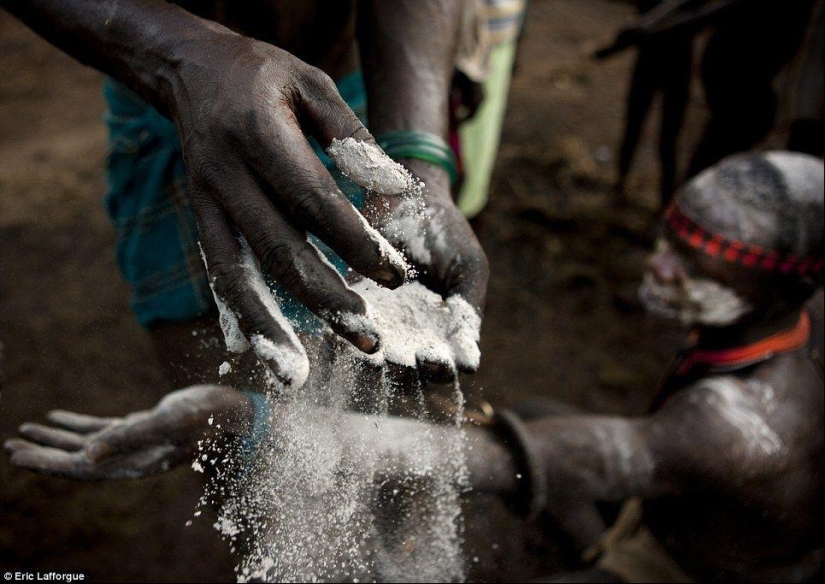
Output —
(416, 324)
(288, 355)
(367, 165)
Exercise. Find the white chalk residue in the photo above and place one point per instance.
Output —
(367, 165)
(417, 325)
(288, 356)
(235, 340)
(744, 412)
(694, 301)
(224, 368)
(340, 491)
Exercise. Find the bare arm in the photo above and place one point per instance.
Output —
(139, 42)
(671, 16)
(91, 448)
(713, 436)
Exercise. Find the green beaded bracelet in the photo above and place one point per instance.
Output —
(421, 146)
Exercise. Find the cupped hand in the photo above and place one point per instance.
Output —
(447, 258)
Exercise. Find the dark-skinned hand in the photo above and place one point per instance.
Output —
(447, 257)
(243, 109)
(90, 448)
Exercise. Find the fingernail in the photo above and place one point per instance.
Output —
(390, 278)
(365, 343)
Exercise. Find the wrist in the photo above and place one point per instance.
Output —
(424, 153)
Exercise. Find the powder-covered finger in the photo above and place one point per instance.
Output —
(13, 445)
(53, 462)
(54, 437)
(269, 333)
(347, 141)
(81, 423)
(463, 334)
(366, 164)
(303, 189)
(249, 313)
(435, 362)
(298, 266)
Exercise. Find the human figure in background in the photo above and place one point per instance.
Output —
(722, 480)
(481, 86)
(748, 49)
(751, 43)
(664, 66)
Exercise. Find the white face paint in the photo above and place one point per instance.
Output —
(693, 301)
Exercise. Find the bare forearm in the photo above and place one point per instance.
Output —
(139, 42)
(408, 50)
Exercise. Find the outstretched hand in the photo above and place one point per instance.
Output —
(91, 448)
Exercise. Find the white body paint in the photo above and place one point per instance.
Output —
(695, 301)
(744, 411)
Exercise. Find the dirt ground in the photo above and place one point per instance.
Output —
(561, 320)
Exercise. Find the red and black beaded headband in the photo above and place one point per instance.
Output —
(737, 252)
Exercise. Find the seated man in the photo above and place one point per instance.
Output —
(723, 479)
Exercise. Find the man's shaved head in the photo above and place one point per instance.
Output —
(773, 200)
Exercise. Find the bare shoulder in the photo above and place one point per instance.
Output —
(750, 427)
(727, 413)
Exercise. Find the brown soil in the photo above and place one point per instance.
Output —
(561, 319)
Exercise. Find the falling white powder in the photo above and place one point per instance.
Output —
(367, 165)
(333, 495)
(224, 369)
(407, 232)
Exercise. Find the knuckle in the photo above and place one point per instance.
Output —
(278, 260)
(227, 280)
(306, 206)
(319, 82)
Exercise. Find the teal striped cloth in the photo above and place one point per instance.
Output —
(157, 242)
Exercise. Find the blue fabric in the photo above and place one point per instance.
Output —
(157, 241)
(250, 443)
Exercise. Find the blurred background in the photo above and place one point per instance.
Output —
(562, 317)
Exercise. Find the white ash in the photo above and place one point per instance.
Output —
(332, 495)
(367, 165)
